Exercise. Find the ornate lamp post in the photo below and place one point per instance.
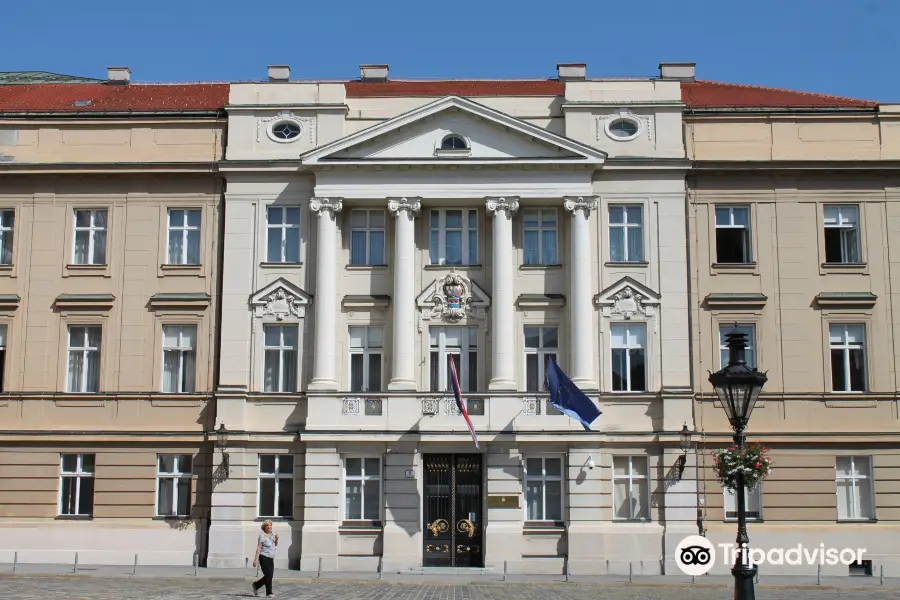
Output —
(738, 387)
(684, 438)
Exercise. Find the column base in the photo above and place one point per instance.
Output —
(502, 385)
(323, 385)
(402, 385)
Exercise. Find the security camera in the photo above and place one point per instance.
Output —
(590, 462)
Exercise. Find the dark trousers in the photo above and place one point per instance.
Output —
(268, 568)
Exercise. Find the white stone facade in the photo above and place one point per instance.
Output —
(402, 246)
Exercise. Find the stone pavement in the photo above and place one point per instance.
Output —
(93, 587)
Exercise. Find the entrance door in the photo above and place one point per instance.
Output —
(454, 529)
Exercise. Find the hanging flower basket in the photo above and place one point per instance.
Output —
(752, 460)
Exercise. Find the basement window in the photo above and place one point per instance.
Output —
(861, 568)
(733, 235)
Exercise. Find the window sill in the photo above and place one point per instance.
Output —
(857, 521)
(279, 265)
(366, 267)
(180, 270)
(273, 519)
(74, 518)
(637, 264)
(162, 518)
(749, 520)
(366, 526)
(736, 266)
(539, 267)
(87, 270)
(844, 266)
(451, 267)
(632, 521)
(544, 527)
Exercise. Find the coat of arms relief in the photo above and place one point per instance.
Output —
(453, 298)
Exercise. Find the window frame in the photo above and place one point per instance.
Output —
(92, 230)
(4, 345)
(182, 352)
(853, 478)
(282, 228)
(368, 230)
(541, 352)
(277, 476)
(750, 498)
(85, 351)
(175, 475)
(630, 477)
(540, 229)
(184, 230)
(465, 233)
(544, 478)
(752, 344)
(748, 231)
(839, 225)
(645, 347)
(7, 236)
(626, 226)
(362, 479)
(846, 347)
(469, 345)
(282, 349)
(78, 475)
(365, 351)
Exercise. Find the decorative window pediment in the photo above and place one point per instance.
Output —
(627, 299)
(280, 299)
(452, 299)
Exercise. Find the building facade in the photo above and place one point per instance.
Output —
(793, 204)
(381, 234)
(109, 221)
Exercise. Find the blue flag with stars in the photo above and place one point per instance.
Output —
(568, 397)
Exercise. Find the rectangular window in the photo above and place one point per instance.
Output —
(631, 493)
(173, 485)
(541, 344)
(733, 235)
(748, 330)
(3, 334)
(90, 237)
(454, 237)
(628, 342)
(76, 485)
(7, 227)
(540, 236)
(179, 358)
(848, 358)
(362, 489)
(283, 234)
(367, 237)
(752, 500)
(281, 358)
(460, 344)
(276, 486)
(366, 348)
(84, 359)
(184, 237)
(626, 233)
(842, 234)
(855, 494)
(543, 489)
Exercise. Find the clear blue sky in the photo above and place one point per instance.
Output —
(844, 47)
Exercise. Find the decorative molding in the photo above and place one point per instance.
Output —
(585, 203)
(627, 299)
(176, 301)
(735, 300)
(9, 301)
(451, 299)
(281, 304)
(508, 204)
(855, 299)
(85, 301)
(326, 205)
(350, 406)
(644, 122)
(411, 205)
(430, 406)
(280, 299)
(532, 406)
(374, 407)
(450, 407)
(307, 126)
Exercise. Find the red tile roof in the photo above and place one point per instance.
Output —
(713, 94)
(135, 97)
(497, 87)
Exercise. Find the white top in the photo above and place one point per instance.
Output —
(267, 545)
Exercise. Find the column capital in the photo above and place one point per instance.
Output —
(584, 203)
(495, 204)
(411, 205)
(324, 205)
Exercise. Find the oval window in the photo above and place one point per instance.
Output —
(623, 128)
(285, 130)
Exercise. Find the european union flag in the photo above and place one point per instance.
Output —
(568, 398)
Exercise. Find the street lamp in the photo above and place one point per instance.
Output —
(738, 387)
(684, 437)
(222, 441)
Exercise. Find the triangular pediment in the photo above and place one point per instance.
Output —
(453, 298)
(489, 135)
(627, 298)
(280, 299)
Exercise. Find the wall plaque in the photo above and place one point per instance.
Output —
(503, 501)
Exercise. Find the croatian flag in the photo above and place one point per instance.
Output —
(454, 382)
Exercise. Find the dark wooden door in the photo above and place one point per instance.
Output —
(454, 528)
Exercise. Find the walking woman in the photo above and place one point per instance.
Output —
(265, 558)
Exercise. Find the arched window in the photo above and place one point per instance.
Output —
(454, 142)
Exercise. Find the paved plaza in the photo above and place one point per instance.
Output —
(146, 588)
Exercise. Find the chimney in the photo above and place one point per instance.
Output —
(118, 75)
(572, 71)
(373, 72)
(679, 71)
(279, 73)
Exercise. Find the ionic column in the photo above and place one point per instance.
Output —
(324, 372)
(503, 311)
(403, 367)
(581, 327)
